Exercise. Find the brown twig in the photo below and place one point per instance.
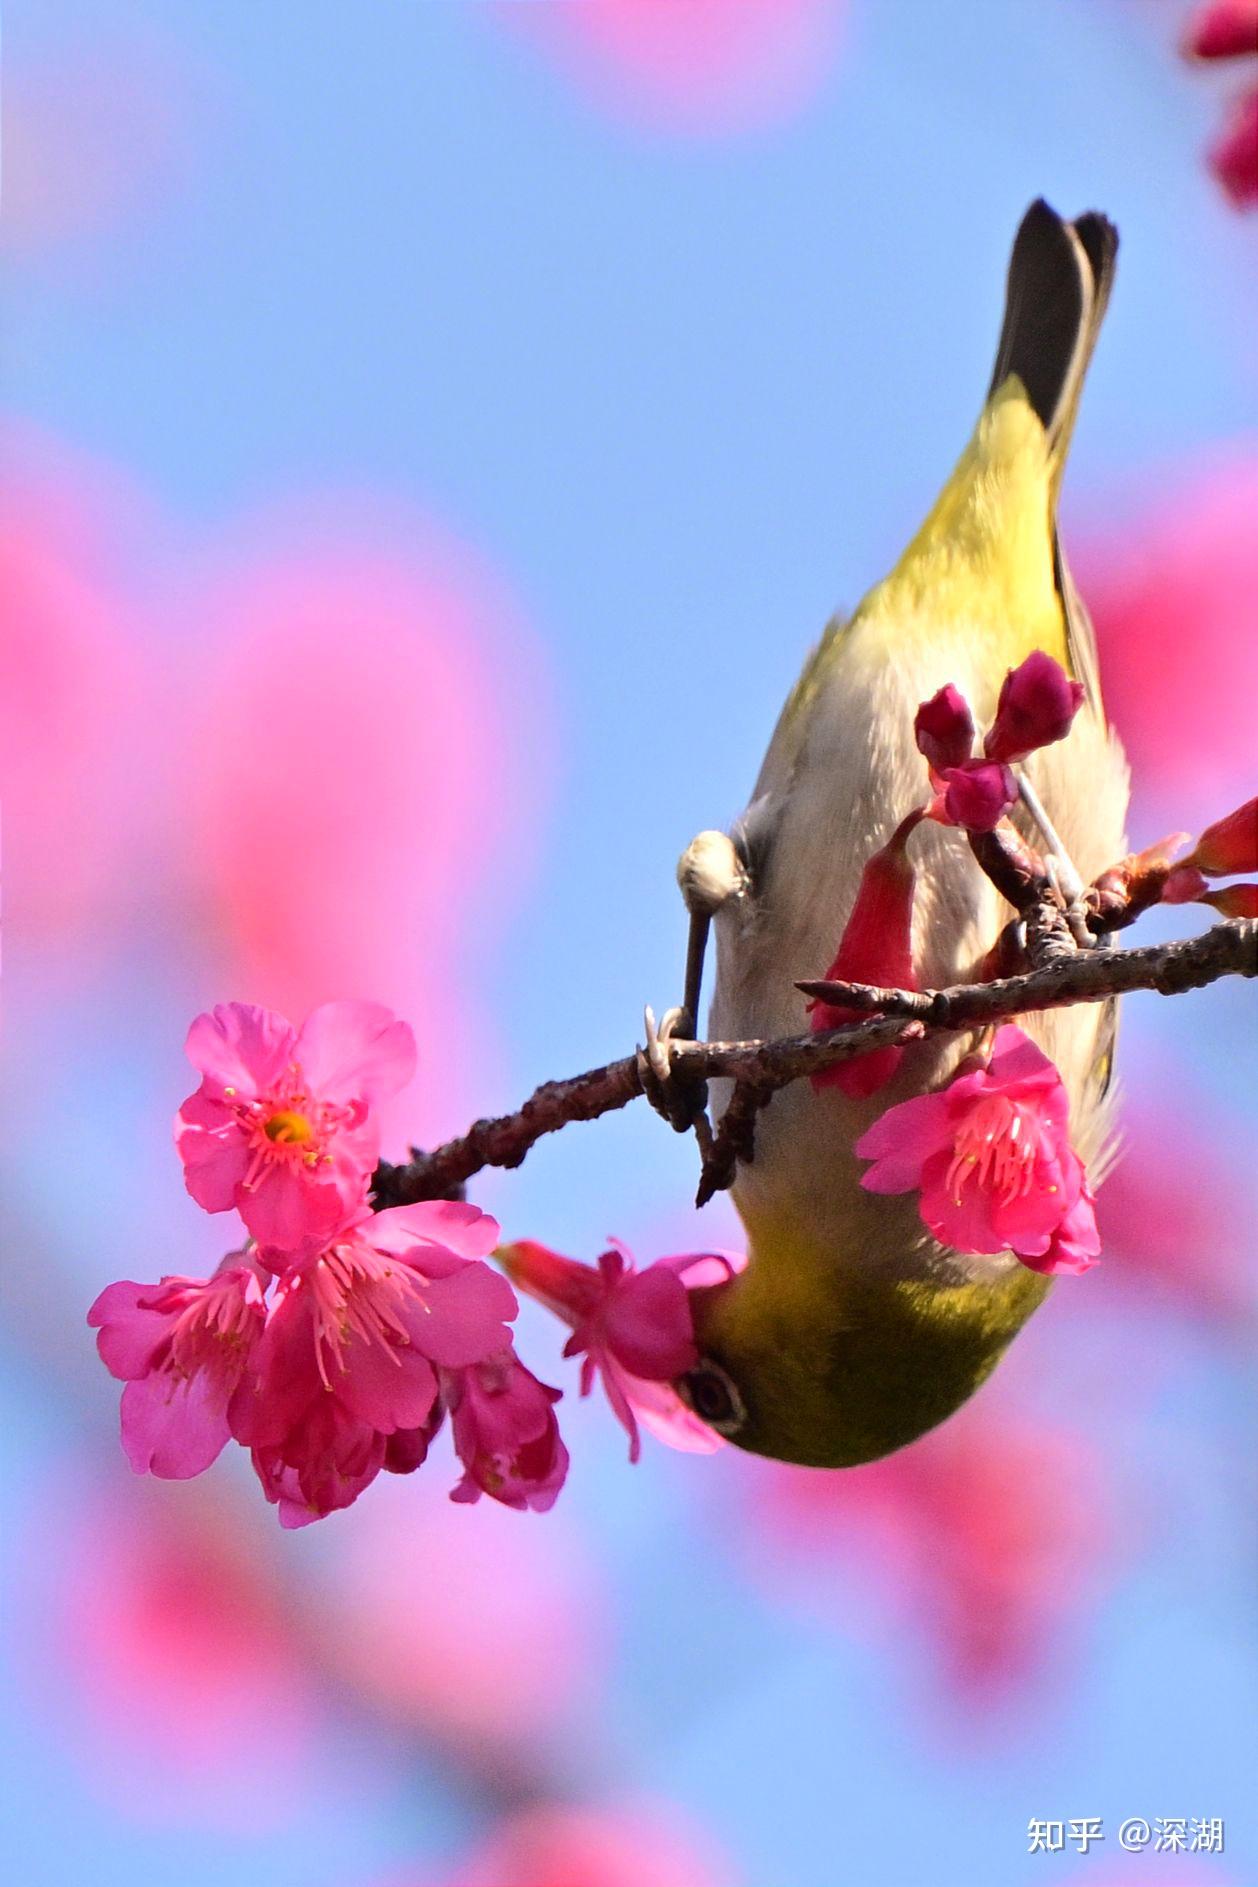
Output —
(734, 1140)
(896, 1018)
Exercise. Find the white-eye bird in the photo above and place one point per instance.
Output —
(852, 1331)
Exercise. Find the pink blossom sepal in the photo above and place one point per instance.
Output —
(633, 1329)
(283, 1126)
(505, 1434)
(1230, 844)
(1233, 900)
(876, 947)
(991, 1157)
(181, 1346)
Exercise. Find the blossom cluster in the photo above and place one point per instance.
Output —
(335, 1342)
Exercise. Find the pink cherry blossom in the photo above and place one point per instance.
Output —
(181, 1347)
(356, 1336)
(991, 1157)
(505, 1433)
(283, 1125)
(633, 1328)
(322, 1465)
(876, 947)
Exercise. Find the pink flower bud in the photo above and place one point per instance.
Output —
(944, 729)
(506, 1435)
(1230, 844)
(1234, 158)
(1037, 704)
(1222, 29)
(876, 947)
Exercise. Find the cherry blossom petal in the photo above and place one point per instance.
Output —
(129, 1333)
(172, 1427)
(460, 1228)
(237, 1045)
(355, 1050)
(902, 1140)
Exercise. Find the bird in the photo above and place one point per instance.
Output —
(851, 1330)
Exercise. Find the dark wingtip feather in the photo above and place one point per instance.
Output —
(1047, 305)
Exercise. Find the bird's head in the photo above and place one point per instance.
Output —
(799, 1361)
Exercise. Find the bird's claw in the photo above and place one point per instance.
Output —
(681, 1102)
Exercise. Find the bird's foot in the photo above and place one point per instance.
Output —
(681, 1101)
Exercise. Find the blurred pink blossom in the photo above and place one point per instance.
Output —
(703, 67)
(1178, 1210)
(1222, 29)
(1171, 592)
(629, 1845)
(460, 1622)
(162, 1632)
(400, 710)
(1234, 154)
(986, 1535)
(75, 700)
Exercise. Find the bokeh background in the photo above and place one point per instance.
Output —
(433, 433)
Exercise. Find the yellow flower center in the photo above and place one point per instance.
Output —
(288, 1128)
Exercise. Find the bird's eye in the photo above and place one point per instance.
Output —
(709, 1392)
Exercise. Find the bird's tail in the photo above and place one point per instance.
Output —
(1060, 276)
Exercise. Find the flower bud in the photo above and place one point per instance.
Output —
(1037, 704)
(944, 729)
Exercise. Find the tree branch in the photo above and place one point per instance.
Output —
(896, 1017)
